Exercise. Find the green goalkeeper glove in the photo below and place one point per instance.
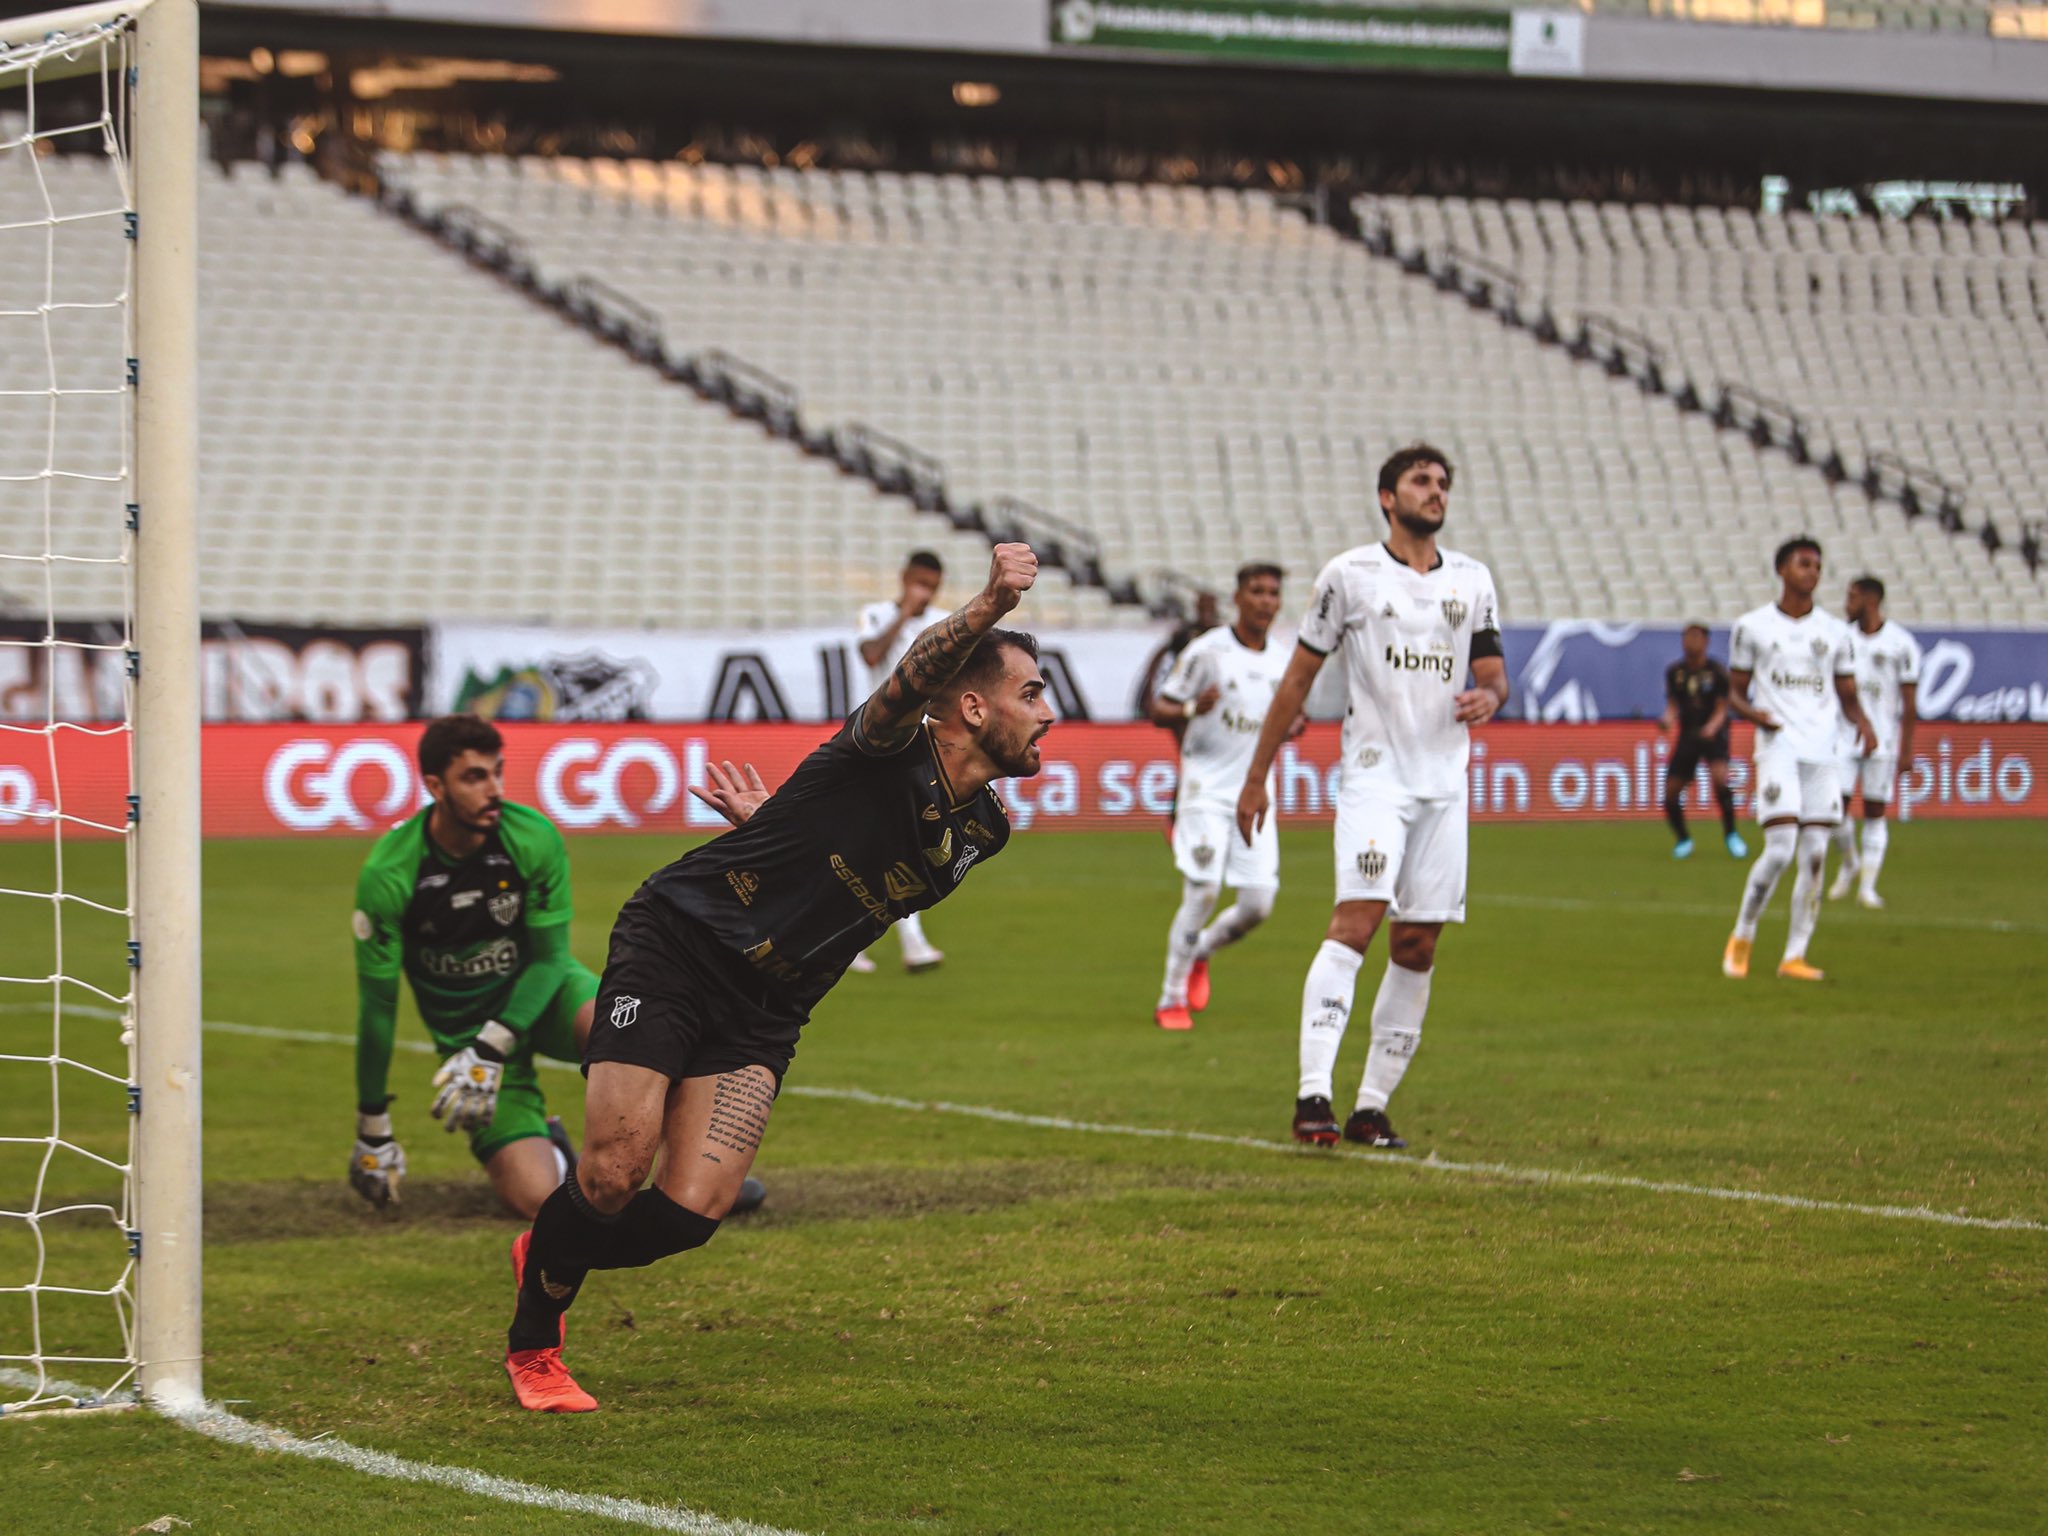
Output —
(469, 1079)
(377, 1165)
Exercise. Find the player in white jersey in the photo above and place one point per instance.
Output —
(1888, 683)
(1411, 620)
(886, 631)
(1792, 673)
(1218, 690)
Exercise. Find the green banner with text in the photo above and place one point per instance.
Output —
(1299, 31)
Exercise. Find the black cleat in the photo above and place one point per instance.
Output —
(1315, 1122)
(752, 1193)
(558, 1138)
(1371, 1128)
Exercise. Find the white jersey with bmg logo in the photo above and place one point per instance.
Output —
(875, 620)
(1408, 639)
(1887, 663)
(1792, 666)
(1217, 748)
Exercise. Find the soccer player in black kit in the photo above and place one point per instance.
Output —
(717, 960)
(1696, 714)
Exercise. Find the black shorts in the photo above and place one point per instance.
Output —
(1690, 752)
(676, 1000)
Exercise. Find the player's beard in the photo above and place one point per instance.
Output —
(493, 809)
(1015, 754)
(1423, 523)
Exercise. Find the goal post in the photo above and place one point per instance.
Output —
(102, 287)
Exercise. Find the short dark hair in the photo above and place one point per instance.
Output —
(984, 665)
(1414, 454)
(1258, 568)
(452, 735)
(1697, 625)
(1792, 547)
(925, 560)
(1871, 585)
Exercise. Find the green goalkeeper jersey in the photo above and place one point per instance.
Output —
(479, 938)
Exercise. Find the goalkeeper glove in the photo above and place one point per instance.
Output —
(377, 1165)
(469, 1079)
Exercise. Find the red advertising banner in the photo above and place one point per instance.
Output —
(349, 781)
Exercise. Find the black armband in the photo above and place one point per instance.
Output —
(1485, 644)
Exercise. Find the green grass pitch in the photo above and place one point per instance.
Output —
(952, 1324)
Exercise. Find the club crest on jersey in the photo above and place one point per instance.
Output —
(1372, 864)
(1455, 612)
(624, 1011)
(1820, 648)
(1204, 854)
(505, 908)
(1771, 793)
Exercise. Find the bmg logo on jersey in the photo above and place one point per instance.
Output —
(1437, 663)
(309, 785)
(584, 783)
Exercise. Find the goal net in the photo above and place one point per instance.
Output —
(99, 1214)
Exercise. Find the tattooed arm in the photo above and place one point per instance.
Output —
(892, 715)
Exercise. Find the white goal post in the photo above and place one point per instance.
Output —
(146, 55)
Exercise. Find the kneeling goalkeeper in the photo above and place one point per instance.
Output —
(469, 900)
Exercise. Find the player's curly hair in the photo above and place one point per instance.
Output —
(1415, 453)
(449, 737)
(1792, 547)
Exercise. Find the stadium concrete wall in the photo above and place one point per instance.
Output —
(333, 781)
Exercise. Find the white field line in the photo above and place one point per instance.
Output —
(216, 1423)
(1582, 1177)
(1431, 1164)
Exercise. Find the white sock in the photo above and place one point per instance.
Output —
(1780, 844)
(1877, 836)
(1250, 909)
(1806, 889)
(1845, 839)
(912, 930)
(1325, 1010)
(1183, 940)
(1396, 1027)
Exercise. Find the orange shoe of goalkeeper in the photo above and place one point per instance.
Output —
(543, 1384)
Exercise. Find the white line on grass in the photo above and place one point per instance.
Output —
(216, 1423)
(1582, 1177)
(1700, 909)
(1430, 1164)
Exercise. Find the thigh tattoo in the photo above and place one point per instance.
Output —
(739, 1112)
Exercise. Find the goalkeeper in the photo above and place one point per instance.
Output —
(469, 900)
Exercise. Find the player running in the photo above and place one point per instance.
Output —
(886, 632)
(1793, 674)
(1412, 621)
(1888, 683)
(1219, 690)
(718, 959)
(469, 901)
(1696, 715)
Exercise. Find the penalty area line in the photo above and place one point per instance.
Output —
(1571, 1177)
(216, 1423)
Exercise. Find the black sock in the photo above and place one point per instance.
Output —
(571, 1237)
(1674, 812)
(1725, 798)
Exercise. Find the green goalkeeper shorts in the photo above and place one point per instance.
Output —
(522, 1111)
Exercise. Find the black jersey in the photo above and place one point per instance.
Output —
(1697, 694)
(851, 843)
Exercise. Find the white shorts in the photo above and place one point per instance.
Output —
(1875, 777)
(1782, 787)
(1206, 848)
(1406, 852)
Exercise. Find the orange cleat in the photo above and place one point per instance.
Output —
(1172, 1018)
(1735, 958)
(1796, 969)
(520, 1244)
(1198, 987)
(543, 1384)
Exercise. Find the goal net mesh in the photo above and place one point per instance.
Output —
(67, 419)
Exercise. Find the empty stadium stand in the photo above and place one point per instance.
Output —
(1202, 376)
(389, 435)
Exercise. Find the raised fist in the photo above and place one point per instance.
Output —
(1012, 568)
